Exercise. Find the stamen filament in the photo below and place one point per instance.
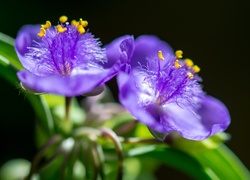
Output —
(42, 32)
(190, 75)
(160, 55)
(47, 25)
(83, 23)
(176, 64)
(60, 29)
(80, 29)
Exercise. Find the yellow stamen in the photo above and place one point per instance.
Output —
(176, 64)
(190, 75)
(80, 29)
(83, 23)
(178, 54)
(63, 19)
(60, 29)
(196, 69)
(74, 23)
(47, 25)
(189, 62)
(42, 32)
(160, 55)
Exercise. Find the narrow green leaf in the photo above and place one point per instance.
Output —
(213, 154)
(7, 51)
(224, 163)
(174, 158)
(9, 74)
(9, 64)
(42, 111)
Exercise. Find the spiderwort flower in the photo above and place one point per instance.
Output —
(162, 90)
(65, 59)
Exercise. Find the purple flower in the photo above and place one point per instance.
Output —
(64, 60)
(162, 90)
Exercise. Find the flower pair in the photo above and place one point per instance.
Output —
(157, 87)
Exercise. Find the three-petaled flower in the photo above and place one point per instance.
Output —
(162, 90)
(65, 59)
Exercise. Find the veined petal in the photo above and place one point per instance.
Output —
(63, 85)
(121, 49)
(184, 121)
(25, 37)
(215, 115)
(148, 46)
(128, 97)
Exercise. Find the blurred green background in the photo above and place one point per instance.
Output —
(215, 34)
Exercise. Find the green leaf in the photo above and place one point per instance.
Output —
(174, 158)
(9, 64)
(7, 51)
(224, 163)
(43, 113)
(213, 154)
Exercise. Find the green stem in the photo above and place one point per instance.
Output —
(67, 105)
(49, 160)
(64, 164)
(139, 140)
(98, 159)
(55, 139)
(73, 159)
(118, 147)
(86, 131)
(126, 128)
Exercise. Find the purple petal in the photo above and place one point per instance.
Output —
(212, 118)
(63, 85)
(24, 39)
(184, 121)
(120, 49)
(215, 116)
(148, 46)
(129, 99)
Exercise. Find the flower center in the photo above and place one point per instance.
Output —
(65, 49)
(175, 81)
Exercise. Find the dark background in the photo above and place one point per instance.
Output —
(215, 34)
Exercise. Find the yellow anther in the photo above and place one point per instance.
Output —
(176, 64)
(190, 75)
(47, 25)
(63, 19)
(42, 32)
(74, 23)
(189, 62)
(196, 69)
(83, 23)
(80, 29)
(60, 29)
(160, 55)
(178, 54)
